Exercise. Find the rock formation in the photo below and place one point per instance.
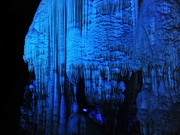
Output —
(119, 56)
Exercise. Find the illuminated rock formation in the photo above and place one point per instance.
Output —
(115, 55)
(157, 48)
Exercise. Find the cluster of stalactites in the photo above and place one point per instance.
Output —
(83, 39)
(74, 14)
(157, 50)
(44, 52)
(100, 52)
(103, 42)
(45, 40)
(105, 38)
(158, 102)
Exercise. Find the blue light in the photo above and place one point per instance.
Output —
(85, 110)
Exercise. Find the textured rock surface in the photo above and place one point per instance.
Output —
(159, 40)
(116, 48)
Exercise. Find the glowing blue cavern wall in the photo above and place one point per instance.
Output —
(115, 55)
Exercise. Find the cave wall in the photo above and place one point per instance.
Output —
(158, 37)
(126, 53)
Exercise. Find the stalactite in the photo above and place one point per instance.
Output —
(104, 43)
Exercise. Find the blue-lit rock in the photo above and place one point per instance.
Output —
(158, 49)
(126, 52)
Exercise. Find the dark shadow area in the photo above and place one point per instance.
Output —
(81, 98)
(16, 17)
(127, 122)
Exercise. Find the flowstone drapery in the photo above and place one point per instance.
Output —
(119, 56)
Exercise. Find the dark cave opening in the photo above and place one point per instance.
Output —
(126, 121)
(81, 98)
